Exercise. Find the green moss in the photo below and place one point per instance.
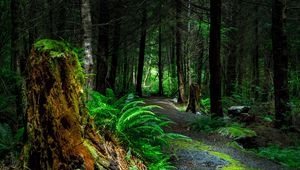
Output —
(234, 164)
(99, 158)
(54, 47)
(198, 145)
(192, 145)
(56, 50)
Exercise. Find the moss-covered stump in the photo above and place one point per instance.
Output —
(57, 136)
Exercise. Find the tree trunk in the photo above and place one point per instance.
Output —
(87, 42)
(126, 69)
(194, 99)
(268, 77)
(50, 31)
(142, 53)
(255, 59)
(280, 56)
(181, 97)
(231, 74)
(160, 65)
(59, 134)
(103, 48)
(115, 54)
(17, 62)
(214, 58)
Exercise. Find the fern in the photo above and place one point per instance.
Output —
(286, 156)
(8, 140)
(136, 126)
(237, 132)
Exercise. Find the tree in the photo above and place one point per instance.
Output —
(142, 52)
(280, 57)
(87, 41)
(214, 58)
(103, 48)
(255, 58)
(231, 73)
(181, 97)
(116, 45)
(160, 65)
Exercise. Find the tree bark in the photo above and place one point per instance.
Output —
(142, 53)
(255, 59)
(17, 61)
(115, 54)
(194, 99)
(180, 76)
(214, 58)
(87, 42)
(59, 134)
(160, 65)
(103, 48)
(231, 74)
(280, 56)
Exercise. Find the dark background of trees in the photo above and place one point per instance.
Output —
(162, 47)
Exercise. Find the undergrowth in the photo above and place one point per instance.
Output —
(222, 126)
(286, 156)
(135, 125)
(9, 142)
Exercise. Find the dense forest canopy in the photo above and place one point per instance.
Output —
(73, 60)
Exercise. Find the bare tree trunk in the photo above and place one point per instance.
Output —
(160, 65)
(142, 53)
(126, 69)
(16, 58)
(115, 54)
(50, 23)
(231, 74)
(255, 59)
(214, 58)
(280, 56)
(103, 48)
(87, 42)
(181, 97)
(268, 76)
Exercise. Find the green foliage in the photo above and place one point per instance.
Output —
(54, 47)
(207, 124)
(136, 126)
(205, 105)
(236, 131)
(8, 140)
(286, 156)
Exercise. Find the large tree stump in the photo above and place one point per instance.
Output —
(194, 99)
(58, 138)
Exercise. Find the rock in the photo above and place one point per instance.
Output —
(238, 110)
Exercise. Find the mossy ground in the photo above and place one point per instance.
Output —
(200, 146)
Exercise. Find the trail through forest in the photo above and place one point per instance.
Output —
(205, 151)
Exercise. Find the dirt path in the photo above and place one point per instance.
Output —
(206, 152)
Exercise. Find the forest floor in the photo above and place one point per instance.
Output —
(206, 151)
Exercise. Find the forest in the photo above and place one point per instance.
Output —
(141, 84)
